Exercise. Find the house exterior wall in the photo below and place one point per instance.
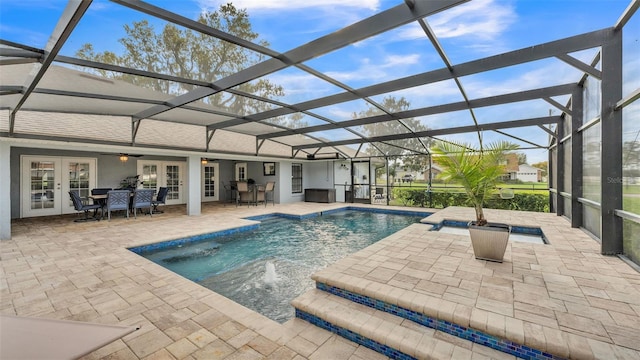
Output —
(527, 173)
(110, 170)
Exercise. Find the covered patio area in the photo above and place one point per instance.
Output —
(564, 298)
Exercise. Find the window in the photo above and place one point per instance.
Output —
(241, 172)
(296, 178)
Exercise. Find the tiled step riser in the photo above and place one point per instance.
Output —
(352, 336)
(504, 345)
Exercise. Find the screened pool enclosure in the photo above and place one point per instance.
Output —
(59, 101)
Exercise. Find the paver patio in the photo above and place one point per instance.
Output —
(563, 296)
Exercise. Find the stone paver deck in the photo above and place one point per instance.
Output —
(56, 268)
(564, 298)
(562, 295)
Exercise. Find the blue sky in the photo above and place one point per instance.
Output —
(474, 30)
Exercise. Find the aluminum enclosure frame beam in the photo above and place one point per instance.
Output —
(434, 41)
(611, 154)
(204, 29)
(387, 20)
(577, 164)
(456, 130)
(70, 17)
(560, 173)
(438, 109)
(542, 51)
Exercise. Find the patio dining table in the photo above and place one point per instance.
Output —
(102, 200)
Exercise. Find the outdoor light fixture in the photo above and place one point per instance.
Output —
(124, 157)
(204, 161)
(323, 156)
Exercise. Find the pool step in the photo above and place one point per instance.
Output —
(384, 332)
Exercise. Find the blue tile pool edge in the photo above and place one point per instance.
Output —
(527, 230)
(479, 337)
(390, 211)
(341, 209)
(355, 337)
(142, 249)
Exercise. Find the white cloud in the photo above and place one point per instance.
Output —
(293, 5)
(301, 86)
(547, 74)
(483, 19)
(390, 67)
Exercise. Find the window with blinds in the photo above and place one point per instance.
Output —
(296, 178)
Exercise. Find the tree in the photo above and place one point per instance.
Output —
(522, 158)
(193, 55)
(404, 150)
(543, 165)
(631, 160)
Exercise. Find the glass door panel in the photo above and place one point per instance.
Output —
(241, 172)
(209, 182)
(149, 177)
(156, 174)
(79, 176)
(41, 182)
(47, 180)
(361, 181)
(173, 182)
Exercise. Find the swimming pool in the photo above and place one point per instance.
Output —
(532, 235)
(265, 267)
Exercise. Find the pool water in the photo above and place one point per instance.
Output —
(514, 236)
(266, 268)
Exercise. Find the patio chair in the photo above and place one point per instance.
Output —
(229, 193)
(506, 193)
(160, 199)
(118, 200)
(260, 194)
(142, 199)
(102, 202)
(100, 191)
(379, 196)
(243, 194)
(234, 190)
(263, 193)
(79, 205)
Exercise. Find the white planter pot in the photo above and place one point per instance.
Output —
(490, 241)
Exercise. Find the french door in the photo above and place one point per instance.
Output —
(47, 180)
(241, 172)
(210, 188)
(170, 174)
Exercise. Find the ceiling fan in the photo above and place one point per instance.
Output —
(124, 156)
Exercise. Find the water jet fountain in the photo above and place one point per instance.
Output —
(270, 276)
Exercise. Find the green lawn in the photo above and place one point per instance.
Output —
(631, 189)
(631, 204)
(524, 188)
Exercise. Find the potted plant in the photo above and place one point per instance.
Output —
(478, 172)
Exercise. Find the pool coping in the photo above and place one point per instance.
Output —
(55, 268)
(144, 248)
(515, 229)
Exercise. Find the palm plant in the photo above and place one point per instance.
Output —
(477, 171)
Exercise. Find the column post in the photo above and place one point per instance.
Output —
(194, 179)
(5, 191)
(611, 154)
